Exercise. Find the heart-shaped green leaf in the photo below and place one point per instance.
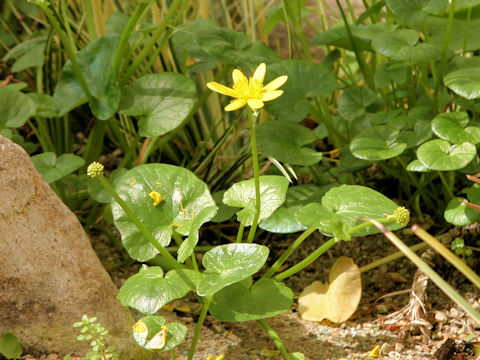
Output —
(147, 291)
(210, 43)
(441, 155)
(98, 192)
(286, 141)
(151, 333)
(451, 127)
(459, 214)
(283, 220)
(228, 264)
(186, 204)
(305, 80)
(318, 216)
(388, 72)
(354, 102)
(246, 302)
(415, 128)
(346, 204)
(53, 168)
(377, 143)
(336, 300)
(417, 165)
(402, 45)
(30, 53)
(437, 31)
(161, 101)
(15, 107)
(273, 190)
(362, 34)
(224, 212)
(464, 82)
(10, 346)
(415, 11)
(95, 62)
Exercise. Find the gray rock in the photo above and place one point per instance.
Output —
(49, 274)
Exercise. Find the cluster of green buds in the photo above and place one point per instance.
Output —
(401, 215)
(95, 170)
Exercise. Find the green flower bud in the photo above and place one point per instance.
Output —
(401, 215)
(95, 169)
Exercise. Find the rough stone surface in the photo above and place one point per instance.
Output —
(49, 274)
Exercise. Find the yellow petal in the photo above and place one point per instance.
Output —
(270, 95)
(259, 74)
(237, 76)
(255, 104)
(235, 104)
(275, 84)
(156, 196)
(141, 329)
(214, 86)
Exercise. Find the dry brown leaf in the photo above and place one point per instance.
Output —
(336, 301)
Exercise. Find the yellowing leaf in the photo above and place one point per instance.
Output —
(336, 301)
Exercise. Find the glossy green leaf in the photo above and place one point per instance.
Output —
(95, 62)
(98, 192)
(354, 102)
(327, 222)
(53, 168)
(273, 190)
(15, 107)
(305, 80)
(415, 11)
(459, 214)
(441, 155)
(346, 204)
(465, 82)
(186, 205)
(161, 101)
(174, 336)
(208, 43)
(377, 143)
(286, 141)
(246, 302)
(403, 45)
(10, 347)
(417, 165)
(362, 34)
(228, 264)
(451, 127)
(283, 219)
(147, 291)
(415, 128)
(224, 212)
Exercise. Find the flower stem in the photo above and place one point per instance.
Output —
(288, 252)
(198, 327)
(240, 233)
(252, 118)
(143, 229)
(274, 336)
(314, 255)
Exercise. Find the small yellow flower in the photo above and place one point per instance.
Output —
(250, 91)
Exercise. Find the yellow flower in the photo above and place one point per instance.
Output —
(250, 91)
